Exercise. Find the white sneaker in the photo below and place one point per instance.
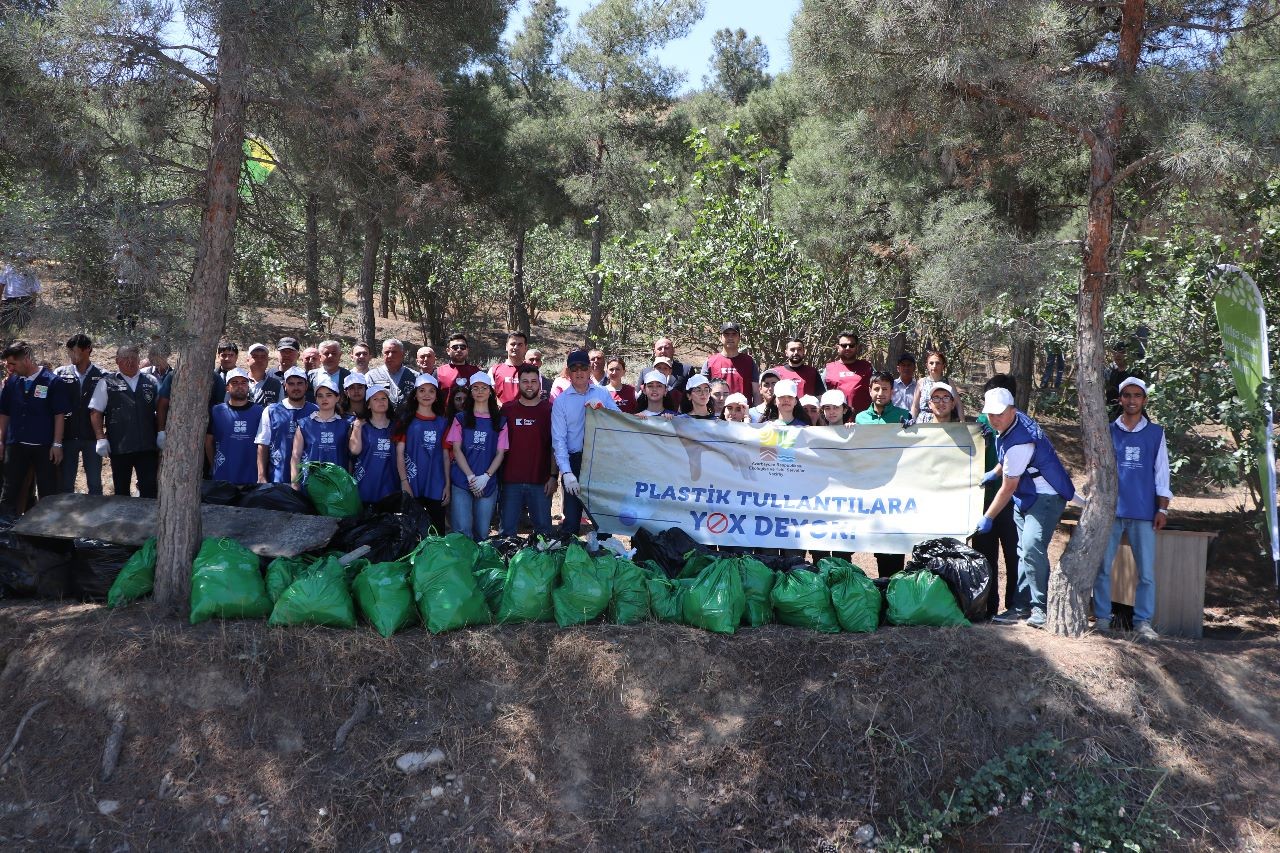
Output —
(1144, 631)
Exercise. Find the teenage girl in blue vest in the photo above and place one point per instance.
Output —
(478, 440)
(421, 458)
(322, 435)
(374, 467)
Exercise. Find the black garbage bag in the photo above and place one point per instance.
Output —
(669, 549)
(94, 567)
(785, 562)
(33, 567)
(219, 492)
(406, 504)
(278, 496)
(966, 572)
(509, 546)
(390, 536)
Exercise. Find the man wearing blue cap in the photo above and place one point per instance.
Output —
(569, 428)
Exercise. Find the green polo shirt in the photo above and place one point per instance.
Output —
(892, 415)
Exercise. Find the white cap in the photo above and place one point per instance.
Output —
(808, 400)
(945, 387)
(354, 378)
(255, 347)
(995, 401)
(325, 382)
(662, 359)
(786, 388)
(1133, 380)
(652, 376)
(697, 380)
(481, 377)
(292, 372)
(832, 397)
(377, 389)
(425, 379)
(736, 399)
(238, 373)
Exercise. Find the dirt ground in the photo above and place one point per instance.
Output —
(602, 737)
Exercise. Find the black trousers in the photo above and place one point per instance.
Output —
(144, 463)
(20, 459)
(1003, 537)
(888, 565)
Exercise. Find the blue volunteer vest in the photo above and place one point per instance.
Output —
(1044, 462)
(480, 446)
(1136, 470)
(284, 423)
(235, 456)
(325, 441)
(375, 469)
(423, 451)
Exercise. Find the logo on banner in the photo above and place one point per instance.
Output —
(778, 447)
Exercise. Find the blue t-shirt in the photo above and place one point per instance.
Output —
(424, 457)
(375, 469)
(32, 404)
(235, 456)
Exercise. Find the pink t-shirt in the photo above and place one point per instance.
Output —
(454, 435)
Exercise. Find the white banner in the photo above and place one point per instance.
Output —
(877, 488)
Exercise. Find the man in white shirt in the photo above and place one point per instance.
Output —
(21, 287)
(904, 387)
(78, 438)
(123, 413)
(568, 431)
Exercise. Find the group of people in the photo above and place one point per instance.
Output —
(468, 442)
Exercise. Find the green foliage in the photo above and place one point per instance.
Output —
(738, 64)
(1082, 803)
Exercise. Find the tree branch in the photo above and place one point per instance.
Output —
(1026, 108)
(1122, 174)
(155, 52)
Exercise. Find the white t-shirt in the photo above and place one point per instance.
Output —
(18, 283)
(264, 426)
(98, 402)
(1016, 460)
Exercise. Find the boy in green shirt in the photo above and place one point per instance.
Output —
(882, 410)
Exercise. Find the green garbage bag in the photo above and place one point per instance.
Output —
(332, 490)
(491, 574)
(695, 562)
(854, 596)
(757, 584)
(319, 597)
(226, 582)
(629, 604)
(664, 593)
(283, 571)
(585, 587)
(444, 587)
(526, 595)
(137, 576)
(922, 598)
(715, 600)
(385, 598)
(801, 598)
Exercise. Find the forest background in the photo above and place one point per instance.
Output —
(981, 176)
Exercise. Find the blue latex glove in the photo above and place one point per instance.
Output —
(984, 526)
(990, 477)
(907, 421)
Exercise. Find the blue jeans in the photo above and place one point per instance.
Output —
(517, 496)
(1053, 365)
(73, 451)
(471, 515)
(1142, 541)
(1035, 532)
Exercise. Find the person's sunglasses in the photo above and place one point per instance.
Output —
(457, 346)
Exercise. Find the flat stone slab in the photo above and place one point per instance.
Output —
(132, 521)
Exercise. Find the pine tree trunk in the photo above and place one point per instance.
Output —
(178, 529)
(311, 274)
(386, 278)
(899, 319)
(1070, 586)
(517, 301)
(368, 269)
(1022, 363)
(596, 322)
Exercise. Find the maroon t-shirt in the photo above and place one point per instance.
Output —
(625, 397)
(447, 374)
(506, 382)
(738, 372)
(529, 455)
(854, 380)
(805, 376)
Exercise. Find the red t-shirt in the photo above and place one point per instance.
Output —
(447, 374)
(529, 437)
(506, 382)
(854, 380)
(738, 372)
(625, 397)
(805, 377)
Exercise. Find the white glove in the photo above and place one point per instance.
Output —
(478, 483)
(160, 440)
(103, 446)
(571, 484)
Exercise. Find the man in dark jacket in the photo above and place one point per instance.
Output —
(78, 437)
(33, 408)
(123, 413)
